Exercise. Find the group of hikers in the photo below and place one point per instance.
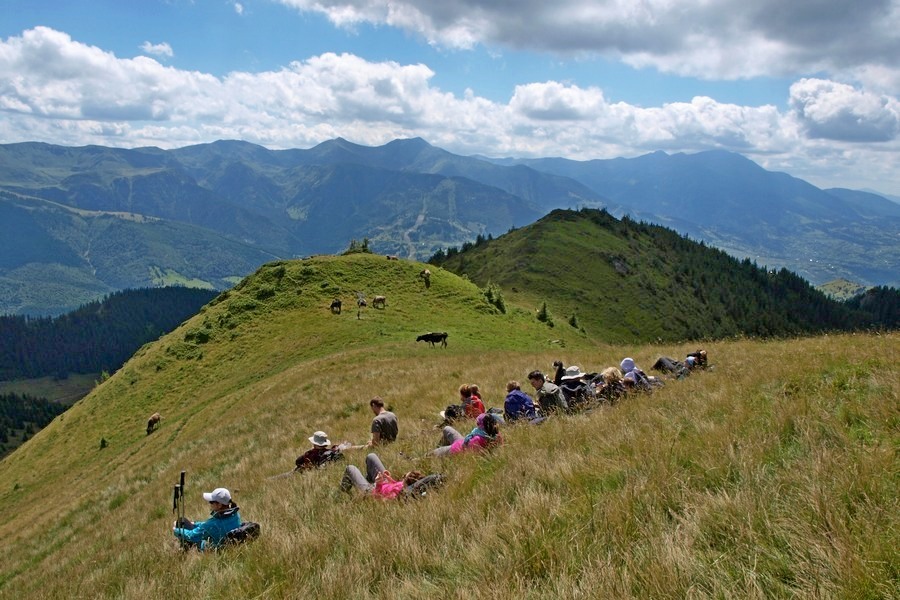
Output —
(569, 390)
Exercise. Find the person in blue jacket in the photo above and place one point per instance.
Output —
(210, 533)
(518, 404)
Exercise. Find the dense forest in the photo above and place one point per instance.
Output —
(23, 416)
(99, 336)
(693, 291)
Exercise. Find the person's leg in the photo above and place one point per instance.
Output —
(353, 478)
(441, 451)
(373, 467)
(449, 435)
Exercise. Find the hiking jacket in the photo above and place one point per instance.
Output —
(518, 405)
(318, 456)
(551, 398)
(211, 532)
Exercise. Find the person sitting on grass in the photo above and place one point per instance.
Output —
(385, 426)
(210, 534)
(321, 453)
(377, 481)
(472, 405)
(484, 436)
(518, 404)
(549, 396)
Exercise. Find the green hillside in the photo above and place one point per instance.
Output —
(624, 281)
(760, 478)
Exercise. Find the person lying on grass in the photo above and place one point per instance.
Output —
(321, 453)
(377, 481)
(484, 436)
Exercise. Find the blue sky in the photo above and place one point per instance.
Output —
(808, 87)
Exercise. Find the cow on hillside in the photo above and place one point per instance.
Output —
(434, 337)
(153, 422)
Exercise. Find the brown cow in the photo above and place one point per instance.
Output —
(153, 422)
(379, 300)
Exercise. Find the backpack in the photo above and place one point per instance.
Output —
(420, 488)
(246, 532)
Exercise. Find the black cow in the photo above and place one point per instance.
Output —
(434, 337)
(336, 306)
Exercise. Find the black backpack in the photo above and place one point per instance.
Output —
(246, 532)
(420, 488)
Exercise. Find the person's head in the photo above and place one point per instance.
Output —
(512, 385)
(465, 391)
(473, 390)
(219, 498)
(320, 439)
(557, 364)
(489, 423)
(537, 379)
(376, 404)
(611, 375)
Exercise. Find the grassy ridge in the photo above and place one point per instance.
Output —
(774, 475)
(624, 281)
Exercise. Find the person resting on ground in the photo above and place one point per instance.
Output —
(377, 481)
(635, 378)
(385, 426)
(484, 436)
(321, 453)
(699, 359)
(472, 405)
(210, 534)
(549, 396)
(611, 387)
(518, 404)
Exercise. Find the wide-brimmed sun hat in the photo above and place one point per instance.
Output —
(320, 438)
(572, 372)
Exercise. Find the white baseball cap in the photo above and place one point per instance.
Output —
(220, 495)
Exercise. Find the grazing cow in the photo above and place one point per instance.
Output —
(434, 337)
(392, 257)
(336, 306)
(361, 303)
(379, 301)
(153, 422)
(426, 276)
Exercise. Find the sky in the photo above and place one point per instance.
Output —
(807, 87)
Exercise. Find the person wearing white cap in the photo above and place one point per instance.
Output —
(223, 517)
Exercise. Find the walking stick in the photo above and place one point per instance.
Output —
(178, 507)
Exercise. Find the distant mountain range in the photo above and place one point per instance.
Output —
(78, 223)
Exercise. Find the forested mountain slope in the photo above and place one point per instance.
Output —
(621, 280)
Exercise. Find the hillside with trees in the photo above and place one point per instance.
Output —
(99, 336)
(623, 280)
(764, 476)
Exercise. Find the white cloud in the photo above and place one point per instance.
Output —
(58, 90)
(163, 49)
(837, 111)
(239, 8)
(713, 39)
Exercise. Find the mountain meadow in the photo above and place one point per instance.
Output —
(773, 474)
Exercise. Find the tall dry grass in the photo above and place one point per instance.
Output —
(775, 475)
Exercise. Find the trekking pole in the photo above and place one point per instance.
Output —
(181, 498)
